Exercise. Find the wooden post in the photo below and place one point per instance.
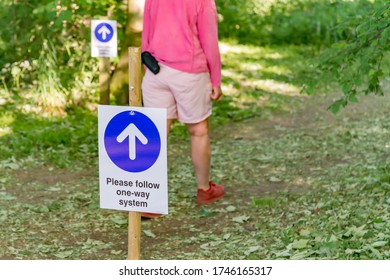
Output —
(104, 80)
(134, 237)
(135, 99)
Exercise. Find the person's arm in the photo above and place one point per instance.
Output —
(208, 36)
(145, 28)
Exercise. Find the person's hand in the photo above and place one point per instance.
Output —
(216, 94)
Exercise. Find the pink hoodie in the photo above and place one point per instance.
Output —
(183, 34)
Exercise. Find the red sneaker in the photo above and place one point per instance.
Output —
(214, 193)
(150, 215)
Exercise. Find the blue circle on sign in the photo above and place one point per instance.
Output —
(132, 141)
(104, 32)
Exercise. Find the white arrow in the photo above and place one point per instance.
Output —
(104, 31)
(132, 132)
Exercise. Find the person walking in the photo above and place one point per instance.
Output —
(182, 36)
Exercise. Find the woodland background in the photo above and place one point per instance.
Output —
(300, 138)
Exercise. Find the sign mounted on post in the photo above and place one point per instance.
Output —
(133, 159)
(104, 42)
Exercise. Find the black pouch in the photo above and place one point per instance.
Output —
(150, 62)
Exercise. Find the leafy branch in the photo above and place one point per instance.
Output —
(357, 63)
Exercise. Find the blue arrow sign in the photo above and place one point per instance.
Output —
(104, 32)
(132, 141)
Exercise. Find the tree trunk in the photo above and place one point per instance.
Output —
(119, 86)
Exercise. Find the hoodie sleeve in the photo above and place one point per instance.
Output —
(208, 36)
(146, 27)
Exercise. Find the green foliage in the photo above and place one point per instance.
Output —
(65, 22)
(360, 63)
(289, 22)
(57, 141)
(46, 50)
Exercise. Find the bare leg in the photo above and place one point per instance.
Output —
(169, 124)
(201, 152)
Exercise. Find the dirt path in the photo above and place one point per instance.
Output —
(255, 159)
(251, 172)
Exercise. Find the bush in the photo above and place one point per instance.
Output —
(309, 22)
(46, 49)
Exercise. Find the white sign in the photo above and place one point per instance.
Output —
(133, 159)
(104, 39)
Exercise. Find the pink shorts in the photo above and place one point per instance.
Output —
(186, 96)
